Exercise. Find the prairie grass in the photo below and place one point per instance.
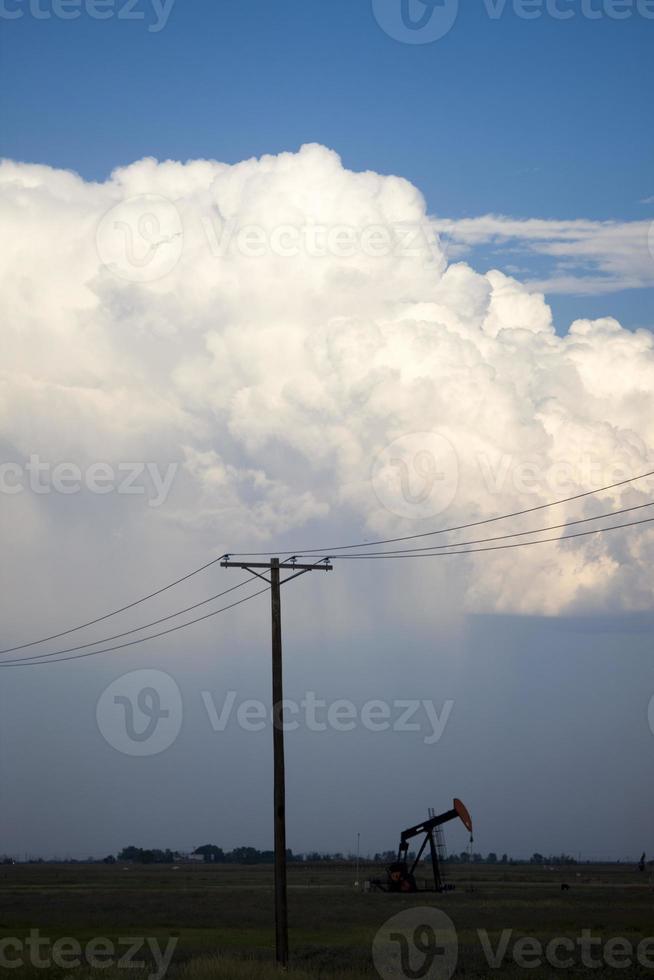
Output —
(222, 917)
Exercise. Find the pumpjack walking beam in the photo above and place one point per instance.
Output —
(274, 567)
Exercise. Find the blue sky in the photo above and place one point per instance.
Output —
(530, 118)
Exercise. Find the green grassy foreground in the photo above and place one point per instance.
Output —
(222, 917)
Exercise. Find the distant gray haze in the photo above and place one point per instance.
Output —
(202, 358)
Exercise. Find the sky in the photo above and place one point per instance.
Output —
(535, 117)
(283, 275)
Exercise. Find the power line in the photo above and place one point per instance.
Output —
(39, 661)
(331, 552)
(136, 629)
(42, 659)
(432, 551)
(381, 556)
(501, 537)
(100, 619)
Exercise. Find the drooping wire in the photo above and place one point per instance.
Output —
(115, 612)
(380, 556)
(136, 629)
(41, 660)
(36, 661)
(434, 551)
(502, 537)
(444, 530)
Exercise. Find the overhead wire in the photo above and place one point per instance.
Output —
(39, 661)
(137, 629)
(445, 550)
(115, 612)
(372, 556)
(331, 551)
(503, 537)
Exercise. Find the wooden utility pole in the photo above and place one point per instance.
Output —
(281, 910)
(274, 567)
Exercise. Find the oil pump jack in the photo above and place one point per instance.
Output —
(401, 876)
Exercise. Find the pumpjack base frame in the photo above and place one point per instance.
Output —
(381, 885)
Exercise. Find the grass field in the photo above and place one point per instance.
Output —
(222, 919)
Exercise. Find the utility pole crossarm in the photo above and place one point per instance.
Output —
(291, 566)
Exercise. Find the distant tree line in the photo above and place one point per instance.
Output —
(491, 858)
(212, 854)
(552, 859)
(142, 855)
(465, 857)
(240, 855)
(209, 852)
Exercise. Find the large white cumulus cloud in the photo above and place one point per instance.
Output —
(283, 321)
